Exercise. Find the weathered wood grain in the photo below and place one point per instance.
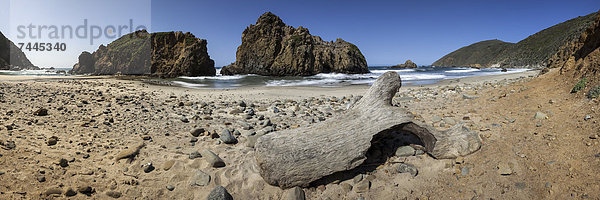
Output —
(300, 156)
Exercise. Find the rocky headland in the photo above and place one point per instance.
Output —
(272, 48)
(11, 57)
(165, 54)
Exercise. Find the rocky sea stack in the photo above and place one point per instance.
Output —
(11, 57)
(165, 54)
(409, 64)
(272, 48)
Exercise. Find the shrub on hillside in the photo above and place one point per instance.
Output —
(594, 93)
(579, 86)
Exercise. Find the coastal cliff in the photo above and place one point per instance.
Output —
(11, 57)
(581, 56)
(166, 54)
(578, 63)
(272, 48)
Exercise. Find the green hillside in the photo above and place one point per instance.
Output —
(532, 52)
(479, 54)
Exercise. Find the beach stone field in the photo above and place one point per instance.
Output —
(123, 139)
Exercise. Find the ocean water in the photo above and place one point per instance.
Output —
(419, 76)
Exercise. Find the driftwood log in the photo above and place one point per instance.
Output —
(300, 156)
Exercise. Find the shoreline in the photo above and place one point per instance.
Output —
(491, 78)
(269, 92)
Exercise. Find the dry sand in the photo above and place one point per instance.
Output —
(96, 120)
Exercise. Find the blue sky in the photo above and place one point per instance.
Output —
(387, 32)
(73, 13)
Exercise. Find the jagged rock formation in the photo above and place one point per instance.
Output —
(409, 64)
(532, 52)
(581, 57)
(272, 48)
(11, 57)
(167, 54)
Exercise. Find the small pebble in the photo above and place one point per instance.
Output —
(195, 155)
(296, 193)
(520, 185)
(419, 152)
(464, 171)
(113, 194)
(405, 151)
(197, 132)
(52, 141)
(357, 178)
(219, 193)
(148, 167)
(70, 192)
(407, 168)
(63, 162)
(170, 187)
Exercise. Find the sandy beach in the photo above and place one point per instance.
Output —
(261, 100)
(101, 138)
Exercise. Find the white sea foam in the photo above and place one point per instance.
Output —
(321, 82)
(189, 85)
(411, 77)
(518, 70)
(339, 76)
(218, 77)
(381, 71)
(336, 79)
(41, 72)
(363, 82)
(466, 70)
